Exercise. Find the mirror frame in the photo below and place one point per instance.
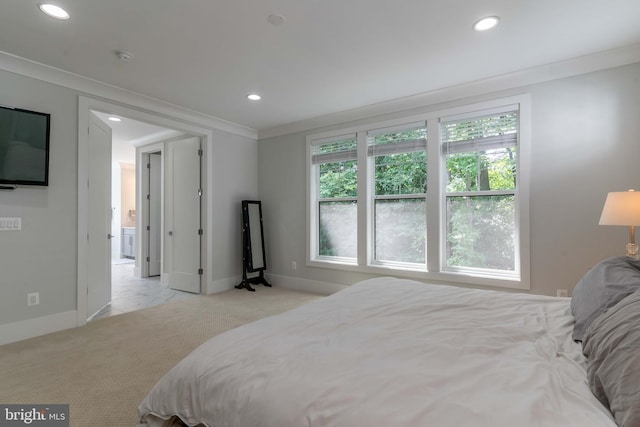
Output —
(253, 237)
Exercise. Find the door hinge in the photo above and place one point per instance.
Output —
(200, 152)
(200, 271)
(148, 165)
(199, 192)
(200, 231)
(148, 196)
(148, 259)
(148, 227)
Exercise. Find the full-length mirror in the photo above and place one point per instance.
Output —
(253, 254)
(252, 212)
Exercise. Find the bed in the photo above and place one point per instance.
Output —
(389, 352)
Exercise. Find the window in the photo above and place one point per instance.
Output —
(441, 196)
(399, 161)
(480, 154)
(336, 170)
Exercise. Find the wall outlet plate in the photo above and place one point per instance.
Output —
(562, 292)
(33, 299)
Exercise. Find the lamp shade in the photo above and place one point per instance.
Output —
(621, 208)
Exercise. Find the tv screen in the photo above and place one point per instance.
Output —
(24, 147)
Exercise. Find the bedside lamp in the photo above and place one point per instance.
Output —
(623, 208)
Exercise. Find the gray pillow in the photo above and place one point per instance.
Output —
(612, 347)
(601, 288)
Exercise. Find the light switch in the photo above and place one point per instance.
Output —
(10, 224)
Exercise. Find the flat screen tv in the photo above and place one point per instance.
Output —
(24, 147)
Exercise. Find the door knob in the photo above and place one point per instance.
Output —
(109, 236)
(171, 233)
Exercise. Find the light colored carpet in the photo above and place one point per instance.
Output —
(104, 369)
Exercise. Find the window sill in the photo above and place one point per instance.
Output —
(442, 277)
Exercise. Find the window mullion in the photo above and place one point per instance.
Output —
(337, 199)
(481, 193)
(435, 179)
(364, 204)
(399, 196)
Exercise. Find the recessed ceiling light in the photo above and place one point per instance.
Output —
(254, 97)
(115, 119)
(486, 23)
(54, 11)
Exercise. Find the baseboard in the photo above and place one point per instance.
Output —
(306, 285)
(25, 329)
(295, 283)
(222, 285)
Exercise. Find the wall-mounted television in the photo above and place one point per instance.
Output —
(24, 147)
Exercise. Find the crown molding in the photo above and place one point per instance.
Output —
(566, 68)
(25, 67)
(155, 137)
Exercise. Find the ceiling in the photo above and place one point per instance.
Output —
(328, 56)
(134, 132)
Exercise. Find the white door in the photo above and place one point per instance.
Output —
(182, 215)
(154, 209)
(100, 216)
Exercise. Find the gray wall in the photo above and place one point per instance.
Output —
(235, 166)
(585, 143)
(42, 257)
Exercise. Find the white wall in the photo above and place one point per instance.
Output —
(235, 165)
(585, 143)
(43, 256)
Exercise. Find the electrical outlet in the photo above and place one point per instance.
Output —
(293, 265)
(562, 292)
(33, 299)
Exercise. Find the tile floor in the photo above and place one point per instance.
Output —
(130, 293)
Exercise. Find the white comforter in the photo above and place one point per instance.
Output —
(389, 352)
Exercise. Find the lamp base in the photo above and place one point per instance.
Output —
(632, 251)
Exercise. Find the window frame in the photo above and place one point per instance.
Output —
(373, 197)
(435, 270)
(315, 185)
(478, 271)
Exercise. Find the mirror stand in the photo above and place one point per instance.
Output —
(246, 281)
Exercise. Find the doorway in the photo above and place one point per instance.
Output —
(136, 215)
(183, 124)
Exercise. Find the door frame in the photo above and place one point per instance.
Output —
(87, 104)
(142, 188)
(156, 230)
